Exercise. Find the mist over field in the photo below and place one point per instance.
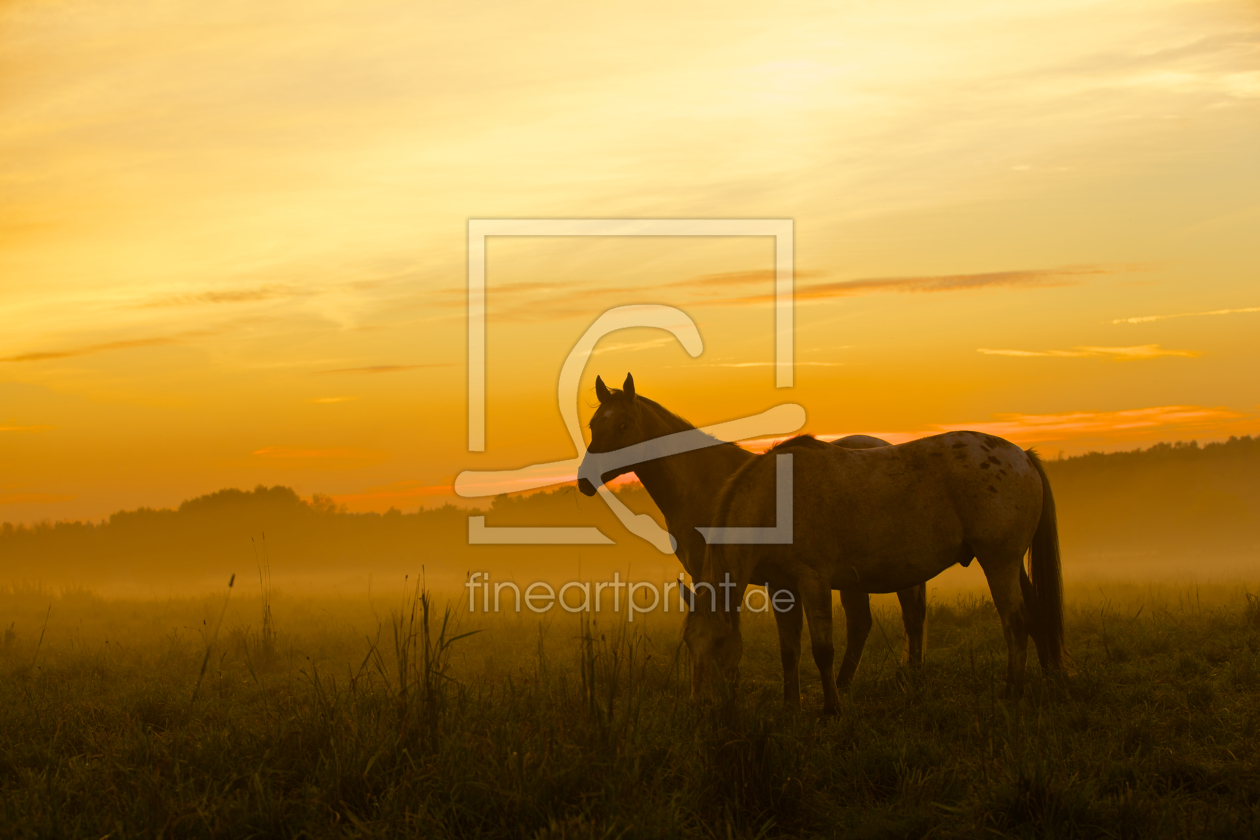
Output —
(1168, 513)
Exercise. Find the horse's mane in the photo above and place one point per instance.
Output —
(676, 422)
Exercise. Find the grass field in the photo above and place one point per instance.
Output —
(357, 719)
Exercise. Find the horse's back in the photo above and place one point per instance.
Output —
(887, 514)
(976, 477)
(860, 442)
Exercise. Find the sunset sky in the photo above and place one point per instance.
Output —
(232, 235)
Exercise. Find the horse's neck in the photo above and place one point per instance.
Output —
(685, 486)
(719, 569)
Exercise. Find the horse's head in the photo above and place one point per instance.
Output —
(715, 645)
(618, 423)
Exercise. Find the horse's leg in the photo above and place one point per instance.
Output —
(1034, 620)
(789, 622)
(1002, 572)
(816, 601)
(857, 620)
(914, 617)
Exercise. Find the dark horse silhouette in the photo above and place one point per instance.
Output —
(686, 487)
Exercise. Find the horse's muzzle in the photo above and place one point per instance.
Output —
(589, 476)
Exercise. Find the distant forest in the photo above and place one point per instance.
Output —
(1171, 500)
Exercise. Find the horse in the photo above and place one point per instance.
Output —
(881, 520)
(686, 486)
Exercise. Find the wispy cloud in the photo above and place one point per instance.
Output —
(1145, 319)
(46, 355)
(990, 352)
(247, 295)
(1093, 426)
(1143, 351)
(385, 368)
(635, 345)
(547, 299)
(725, 280)
(1030, 428)
(1038, 277)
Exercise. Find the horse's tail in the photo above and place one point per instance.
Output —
(1046, 584)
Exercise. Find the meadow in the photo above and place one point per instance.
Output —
(356, 717)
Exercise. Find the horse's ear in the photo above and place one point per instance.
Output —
(601, 390)
(628, 386)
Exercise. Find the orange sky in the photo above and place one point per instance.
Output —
(232, 235)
